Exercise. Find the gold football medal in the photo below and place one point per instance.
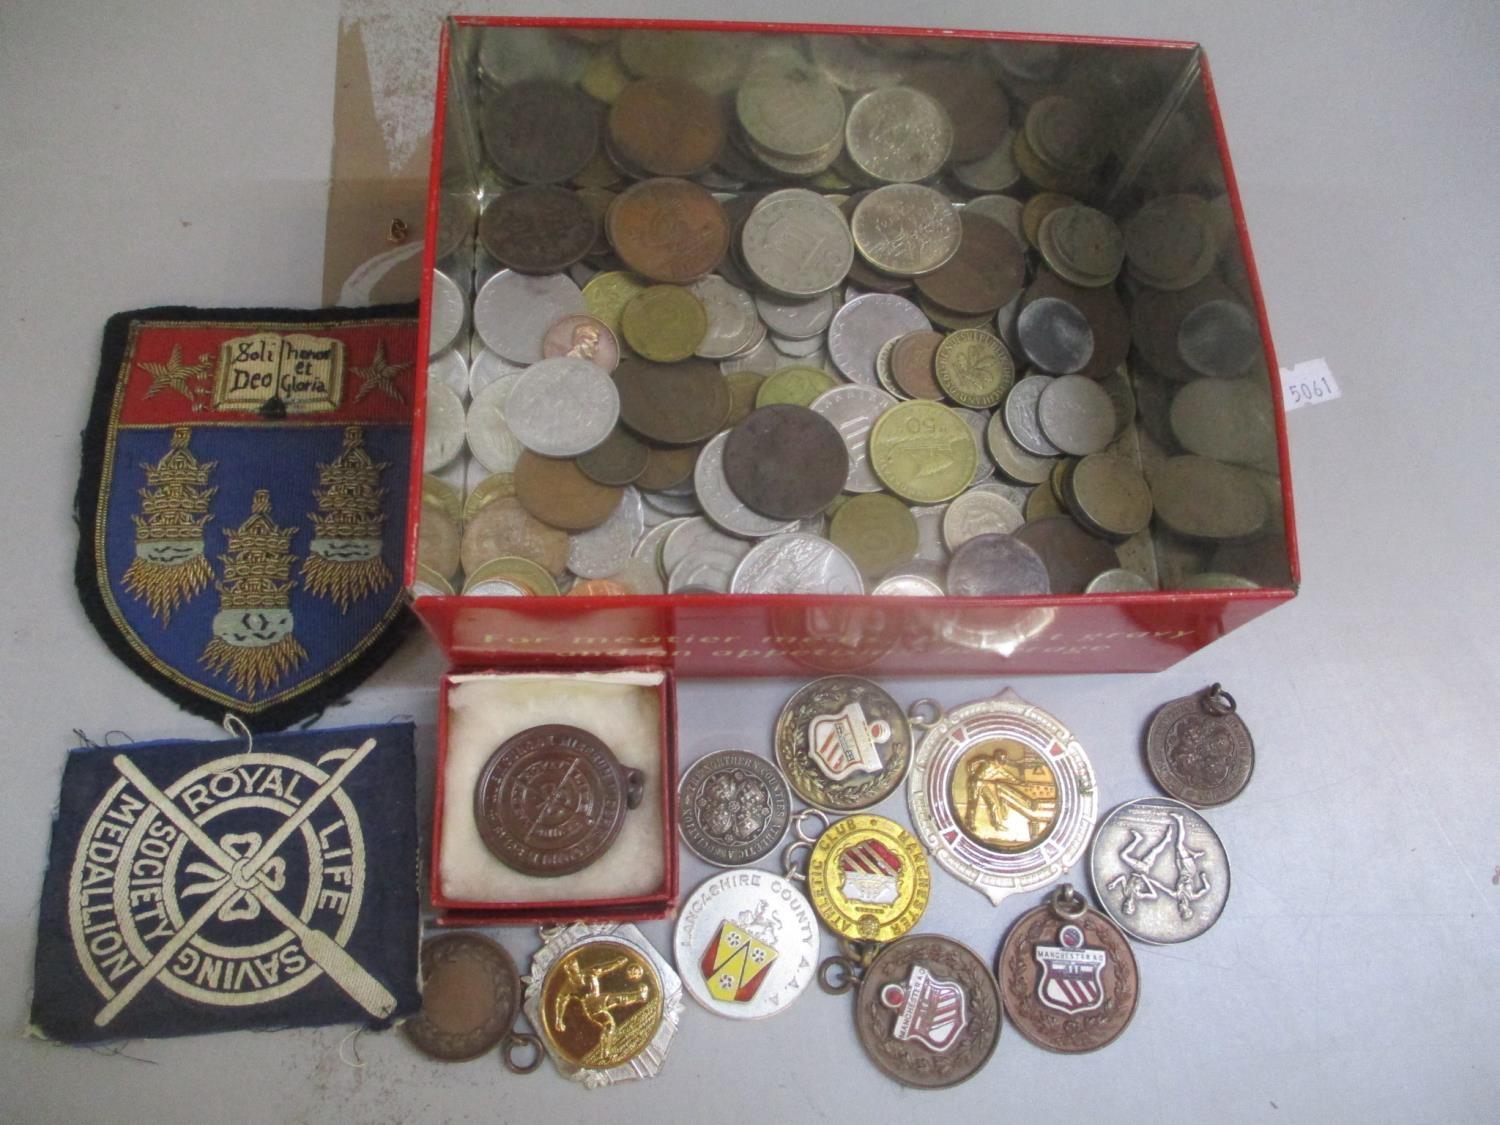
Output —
(605, 1002)
(867, 877)
(1001, 793)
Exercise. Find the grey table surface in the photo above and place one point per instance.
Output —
(178, 152)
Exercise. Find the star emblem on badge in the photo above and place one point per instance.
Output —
(174, 375)
(380, 376)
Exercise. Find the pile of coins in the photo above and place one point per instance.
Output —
(819, 314)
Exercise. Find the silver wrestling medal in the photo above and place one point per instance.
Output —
(746, 944)
(1001, 793)
(1159, 870)
(604, 1003)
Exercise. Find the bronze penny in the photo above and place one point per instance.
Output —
(914, 364)
(1156, 319)
(988, 270)
(1107, 318)
(470, 995)
(538, 229)
(667, 466)
(673, 403)
(551, 800)
(539, 131)
(976, 105)
(928, 1012)
(619, 461)
(557, 493)
(1067, 975)
(668, 230)
(666, 127)
(786, 462)
(1072, 556)
(502, 528)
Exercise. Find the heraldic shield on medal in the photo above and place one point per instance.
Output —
(1069, 981)
(214, 886)
(736, 962)
(928, 1009)
(242, 502)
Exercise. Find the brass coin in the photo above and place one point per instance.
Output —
(502, 527)
(470, 995)
(1109, 495)
(1016, 463)
(529, 575)
(538, 229)
(496, 486)
(442, 496)
(744, 386)
(974, 368)
(666, 127)
(438, 541)
(875, 530)
(557, 493)
(619, 461)
(986, 272)
(429, 582)
(913, 364)
(786, 462)
(1082, 245)
(1206, 499)
(668, 230)
(667, 466)
(539, 131)
(607, 294)
(1037, 208)
(1042, 502)
(673, 403)
(923, 452)
(664, 323)
(796, 385)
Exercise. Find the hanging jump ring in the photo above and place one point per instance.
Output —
(521, 1041)
(837, 975)
(799, 821)
(925, 713)
(1068, 904)
(1217, 701)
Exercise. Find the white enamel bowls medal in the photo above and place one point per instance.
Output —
(1001, 793)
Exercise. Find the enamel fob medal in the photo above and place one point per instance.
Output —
(1001, 793)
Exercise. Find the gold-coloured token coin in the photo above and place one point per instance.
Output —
(607, 294)
(868, 878)
(796, 385)
(497, 486)
(443, 496)
(875, 530)
(664, 323)
(974, 368)
(1037, 208)
(744, 386)
(1043, 502)
(438, 539)
(923, 452)
(601, 1005)
(604, 78)
(1004, 795)
(523, 572)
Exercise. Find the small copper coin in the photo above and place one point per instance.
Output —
(786, 462)
(666, 127)
(673, 403)
(1068, 976)
(913, 364)
(1073, 557)
(538, 229)
(618, 462)
(582, 337)
(557, 493)
(668, 230)
(470, 995)
(503, 528)
(988, 270)
(551, 800)
(539, 131)
(928, 1012)
(667, 466)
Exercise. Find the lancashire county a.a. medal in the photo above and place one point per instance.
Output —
(1001, 793)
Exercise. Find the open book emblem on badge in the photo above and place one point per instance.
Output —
(844, 743)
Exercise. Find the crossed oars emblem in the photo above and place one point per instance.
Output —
(253, 874)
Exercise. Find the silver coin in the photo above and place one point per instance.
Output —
(451, 370)
(732, 322)
(718, 500)
(601, 551)
(510, 55)
(489, 368)
(1055, 336)
(797, 319)
(883, 370)
(1015, 463)
(648, 546)
(444, 435)
(994, 566)
(449, 310)
(898, 135)
(697, 538)
(562, 407)
(1159, 870)
(863, 326)
(761, 358)
(1005, 322)
(490, 439)
(851, 63)
(797, 243)
(796, 564)
(906, 230)
(787, 106)
(1119, 581)
(995, 171)
(1015, 493)
(1219, 339)
(930, 545)
(746, 944)
(979, 513)
(1021, 417)
(802, 349)
(853, 410)
(1076, 415)
(514, 310)
(672, 505)
(1004, 209)
(978, 422)
(733, 807)
(908, 586)
(700, 574)
(640, 576)
(494, 588)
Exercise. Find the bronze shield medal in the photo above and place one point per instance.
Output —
(242, 502)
